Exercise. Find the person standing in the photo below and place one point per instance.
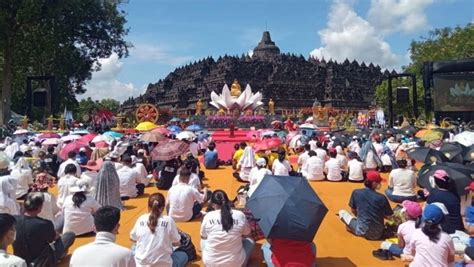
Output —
(103, 251)
(155, 235)
(7, 237)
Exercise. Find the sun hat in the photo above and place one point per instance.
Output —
(440, 174)
(433, 213)
(412, 208)
(4, 161)
(80, 186)
(261, 162)
(374, 176)
(42, 181)
(93, 165)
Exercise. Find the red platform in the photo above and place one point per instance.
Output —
(225, 143)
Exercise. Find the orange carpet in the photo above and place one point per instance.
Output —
(335, 246)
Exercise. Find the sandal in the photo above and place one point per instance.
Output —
(382, 254)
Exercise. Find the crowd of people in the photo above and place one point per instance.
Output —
(94, 186)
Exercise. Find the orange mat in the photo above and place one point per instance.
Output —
(335, 246)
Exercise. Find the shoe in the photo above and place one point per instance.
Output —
(382, 254)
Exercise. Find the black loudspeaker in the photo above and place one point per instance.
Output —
(403, 95)
(39, 97)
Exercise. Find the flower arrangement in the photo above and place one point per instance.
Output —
(252, 119)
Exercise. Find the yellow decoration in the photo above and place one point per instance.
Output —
(24, 122)
(50, 122)
(146, 126)
(198, 107)
(235, 89)
(61, 123)
(271, 107)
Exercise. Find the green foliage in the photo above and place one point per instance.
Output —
(88, 107)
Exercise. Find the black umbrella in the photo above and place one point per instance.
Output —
(426, 155)
(468, 153)
(410, 130)
(453, 151)
(287, 208)
(460, 177)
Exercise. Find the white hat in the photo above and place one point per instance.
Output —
(261, 162)
(4, 161)
(80, 186)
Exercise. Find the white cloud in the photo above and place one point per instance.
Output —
(104, 83)
(157, 54)
(398, 15)
(348, 35)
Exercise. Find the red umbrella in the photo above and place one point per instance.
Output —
(267, 144)
(161, 130)
(49, 135)
(86, 139)
(169, 149)
(73, 146)
(101, 144)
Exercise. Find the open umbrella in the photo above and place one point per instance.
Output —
(194, 128)
(465, 138)
(169, 150)
(161, 130)
(309, 120)
(102, 138)
(71, 137)
(460, 177)
(426, 155)
(86, 139)
(307, 126)
(453, 151)
(73, 146)
(175, 129)
(267, 144)
(267, 133)
(51, 141)
(468, 153)
(113, 134)
(186, 135)
(432, 135)
(152, 137)
(49, 135)
(145, 126)
(80, 132)
(20, 132)
(287, 208)
(175, 119)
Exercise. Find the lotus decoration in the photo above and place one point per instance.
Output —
(246, 100)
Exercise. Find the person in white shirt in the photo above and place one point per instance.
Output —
(71, 160)
(312, 144)
(322, 154)
(78, 210)
(378, 145)
(401, 183)
(281, 166)
(184, 201)
(141, 170)
(245, 164)
(303, 157)
(130, 184)
(194, 148)
(22, 172)
(392, 144)
(193, 181)
(223, 232)
(354, 145)
(155, 235)
(91, 172)
(65, 182)
(341, 156)
(332, 167)
(50, 208)
(7, 195)
(103, 251)
(256, 175)
(313, 169)
(355, 168)
(7, 236)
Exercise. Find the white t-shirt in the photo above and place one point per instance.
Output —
(24, 177)
(321, 153)
(50, 207)
(128, 181)
(354, 147)
(64, 184)
(142, 173)
(343, 160)
(256, 176)
(223, 248)
(10, 260)
(312, 145)
(314, 169)
(154, 249)
(63, 165)
(79, 220)
(193, 181)
(333, 169)
(303, 158)
(386, 161)
(378, 149)
(281, 168)
(403, 182)
(356, 170)
(427, 253)
(370, 162)
(194, 149)
(181, 198)
(91, 178)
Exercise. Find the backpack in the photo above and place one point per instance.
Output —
(187, 246)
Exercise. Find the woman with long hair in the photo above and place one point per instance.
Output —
(430, 245)
(108, 186)
(155, 235)
(223, 232)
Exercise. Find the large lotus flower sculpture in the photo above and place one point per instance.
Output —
(245, 101)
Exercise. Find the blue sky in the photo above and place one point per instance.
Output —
(170, 33)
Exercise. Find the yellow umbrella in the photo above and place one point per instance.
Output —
(146, 126)
(432, 135)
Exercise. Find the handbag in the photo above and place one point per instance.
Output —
(187, 246)
(47, 257)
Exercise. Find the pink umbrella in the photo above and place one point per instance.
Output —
(250, 134)
(267, 144)
(161, 130)
(73, 146)
(169, 149)
(86, 139)
(49, 135)
(101, 144)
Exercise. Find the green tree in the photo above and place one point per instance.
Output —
(110, 104)
(56, 37)
(441, 44)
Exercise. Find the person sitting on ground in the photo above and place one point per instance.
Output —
(332, 167)
(35, 233)
(355, 167)
(65, 182)
(429, 245)
(245, 165)
(185, 201)
(312, 143)
(22, 172)
(155, 235)
(8, 186)
(211, 157)
(281, 166)
(370, 207)
(369, 156)
(388, 160)
(141, 170)
(446, 194)
(320, 151)
(194, 178)
(257, 174)
(52, 162)
(50, 209)
(313, 169)
(130, 184)
(7, 237)
(412, 211)
(78, 210)
(103, 251)
(91, 172)
(282, 252)
(239, 152)
(303, 157)
(341, 156)
(354, 146)
(401, 183)
(108, 186)
(71, 159)
(167, 174)
(223, 232)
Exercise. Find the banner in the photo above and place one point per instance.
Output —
(453, 92)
